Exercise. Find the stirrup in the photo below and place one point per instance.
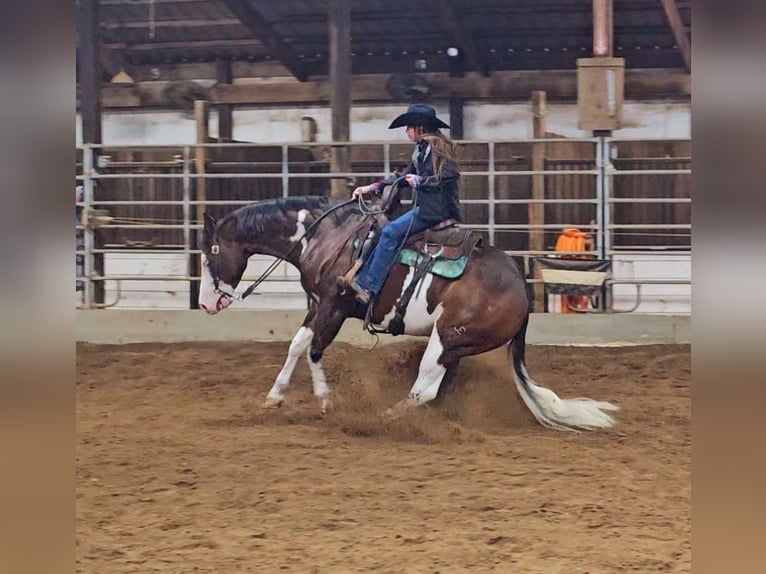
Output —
(342, 282)
(361, 294)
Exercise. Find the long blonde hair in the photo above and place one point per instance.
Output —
(442, 149)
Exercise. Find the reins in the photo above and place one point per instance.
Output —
(271, 268)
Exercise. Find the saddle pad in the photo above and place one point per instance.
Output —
(447, 268)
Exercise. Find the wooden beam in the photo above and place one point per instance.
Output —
(187, 23)
(202, 121)
(456, 118)
(261, 29)
(225, 120)
(454, 24)
(340, 94)
(560, 85)
(602, 28)
(679, 32)
(90, 112)
(134, 2)
(536, 211)
(90, 71)
(154, 46)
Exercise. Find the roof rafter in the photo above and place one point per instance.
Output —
(679, 32)
(263, 31)
(186, 23)
(450, 21)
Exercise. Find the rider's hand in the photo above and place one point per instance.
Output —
(413, 180)
(363, 190)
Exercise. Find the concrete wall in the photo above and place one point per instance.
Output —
(482, 121)
(111, 326)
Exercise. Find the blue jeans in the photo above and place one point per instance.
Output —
(375, 269)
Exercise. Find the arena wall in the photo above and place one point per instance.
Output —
(113, 326)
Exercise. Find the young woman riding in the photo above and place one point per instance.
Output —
(433, 175)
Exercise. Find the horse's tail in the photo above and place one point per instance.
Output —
(550, 410)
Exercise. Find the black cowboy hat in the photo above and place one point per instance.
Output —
(419, 115)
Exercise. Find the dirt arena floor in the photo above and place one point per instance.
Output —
(179, 470)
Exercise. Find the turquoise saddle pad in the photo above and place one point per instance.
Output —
(448, 268)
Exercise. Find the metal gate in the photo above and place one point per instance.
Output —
(141, 205)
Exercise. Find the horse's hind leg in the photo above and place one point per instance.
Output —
(430, 375)
(449, 378)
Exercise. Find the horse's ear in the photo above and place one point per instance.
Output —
(209, 227)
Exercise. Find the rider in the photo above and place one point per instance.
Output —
(433, 174)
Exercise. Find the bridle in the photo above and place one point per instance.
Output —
(215, 249)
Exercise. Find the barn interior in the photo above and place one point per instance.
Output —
(220, 58)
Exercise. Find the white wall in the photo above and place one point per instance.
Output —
(481, 121)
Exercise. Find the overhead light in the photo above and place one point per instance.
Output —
(122, 77)
(452, 51)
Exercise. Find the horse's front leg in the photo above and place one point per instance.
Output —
(299, 344)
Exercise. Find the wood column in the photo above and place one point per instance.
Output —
(456, 117)
(603, 28)
(90, 112)
(603, 39)
(340, 93)
(225, 121)
(202, 119)
(90, 70)
(536, 211)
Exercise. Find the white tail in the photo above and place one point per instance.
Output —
(561, 414)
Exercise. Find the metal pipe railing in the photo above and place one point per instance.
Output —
(600, 170)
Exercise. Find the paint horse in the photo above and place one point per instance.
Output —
(483, 308)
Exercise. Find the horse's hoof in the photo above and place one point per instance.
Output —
(272, 403)
(398, 409)
(325, 406)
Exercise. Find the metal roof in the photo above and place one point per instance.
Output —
(387, 37)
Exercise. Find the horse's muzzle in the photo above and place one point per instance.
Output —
(220, 305)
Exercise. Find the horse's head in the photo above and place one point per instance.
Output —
(223, 263)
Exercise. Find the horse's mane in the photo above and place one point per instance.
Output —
(260, 216)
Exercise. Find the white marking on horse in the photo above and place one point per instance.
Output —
(208, 299)
(299, 344)
(300, 229)
(321, 390)
(417, 320)
(430, 375)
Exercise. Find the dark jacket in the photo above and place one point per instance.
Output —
(436, 197)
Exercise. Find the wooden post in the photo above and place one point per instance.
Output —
(536, 211)
(603, 39)
(602, 28)
(90, 110)
(202, 119)
(340, 94)
(456, 117)
(225, 121)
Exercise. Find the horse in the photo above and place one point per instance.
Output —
(483, 308)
